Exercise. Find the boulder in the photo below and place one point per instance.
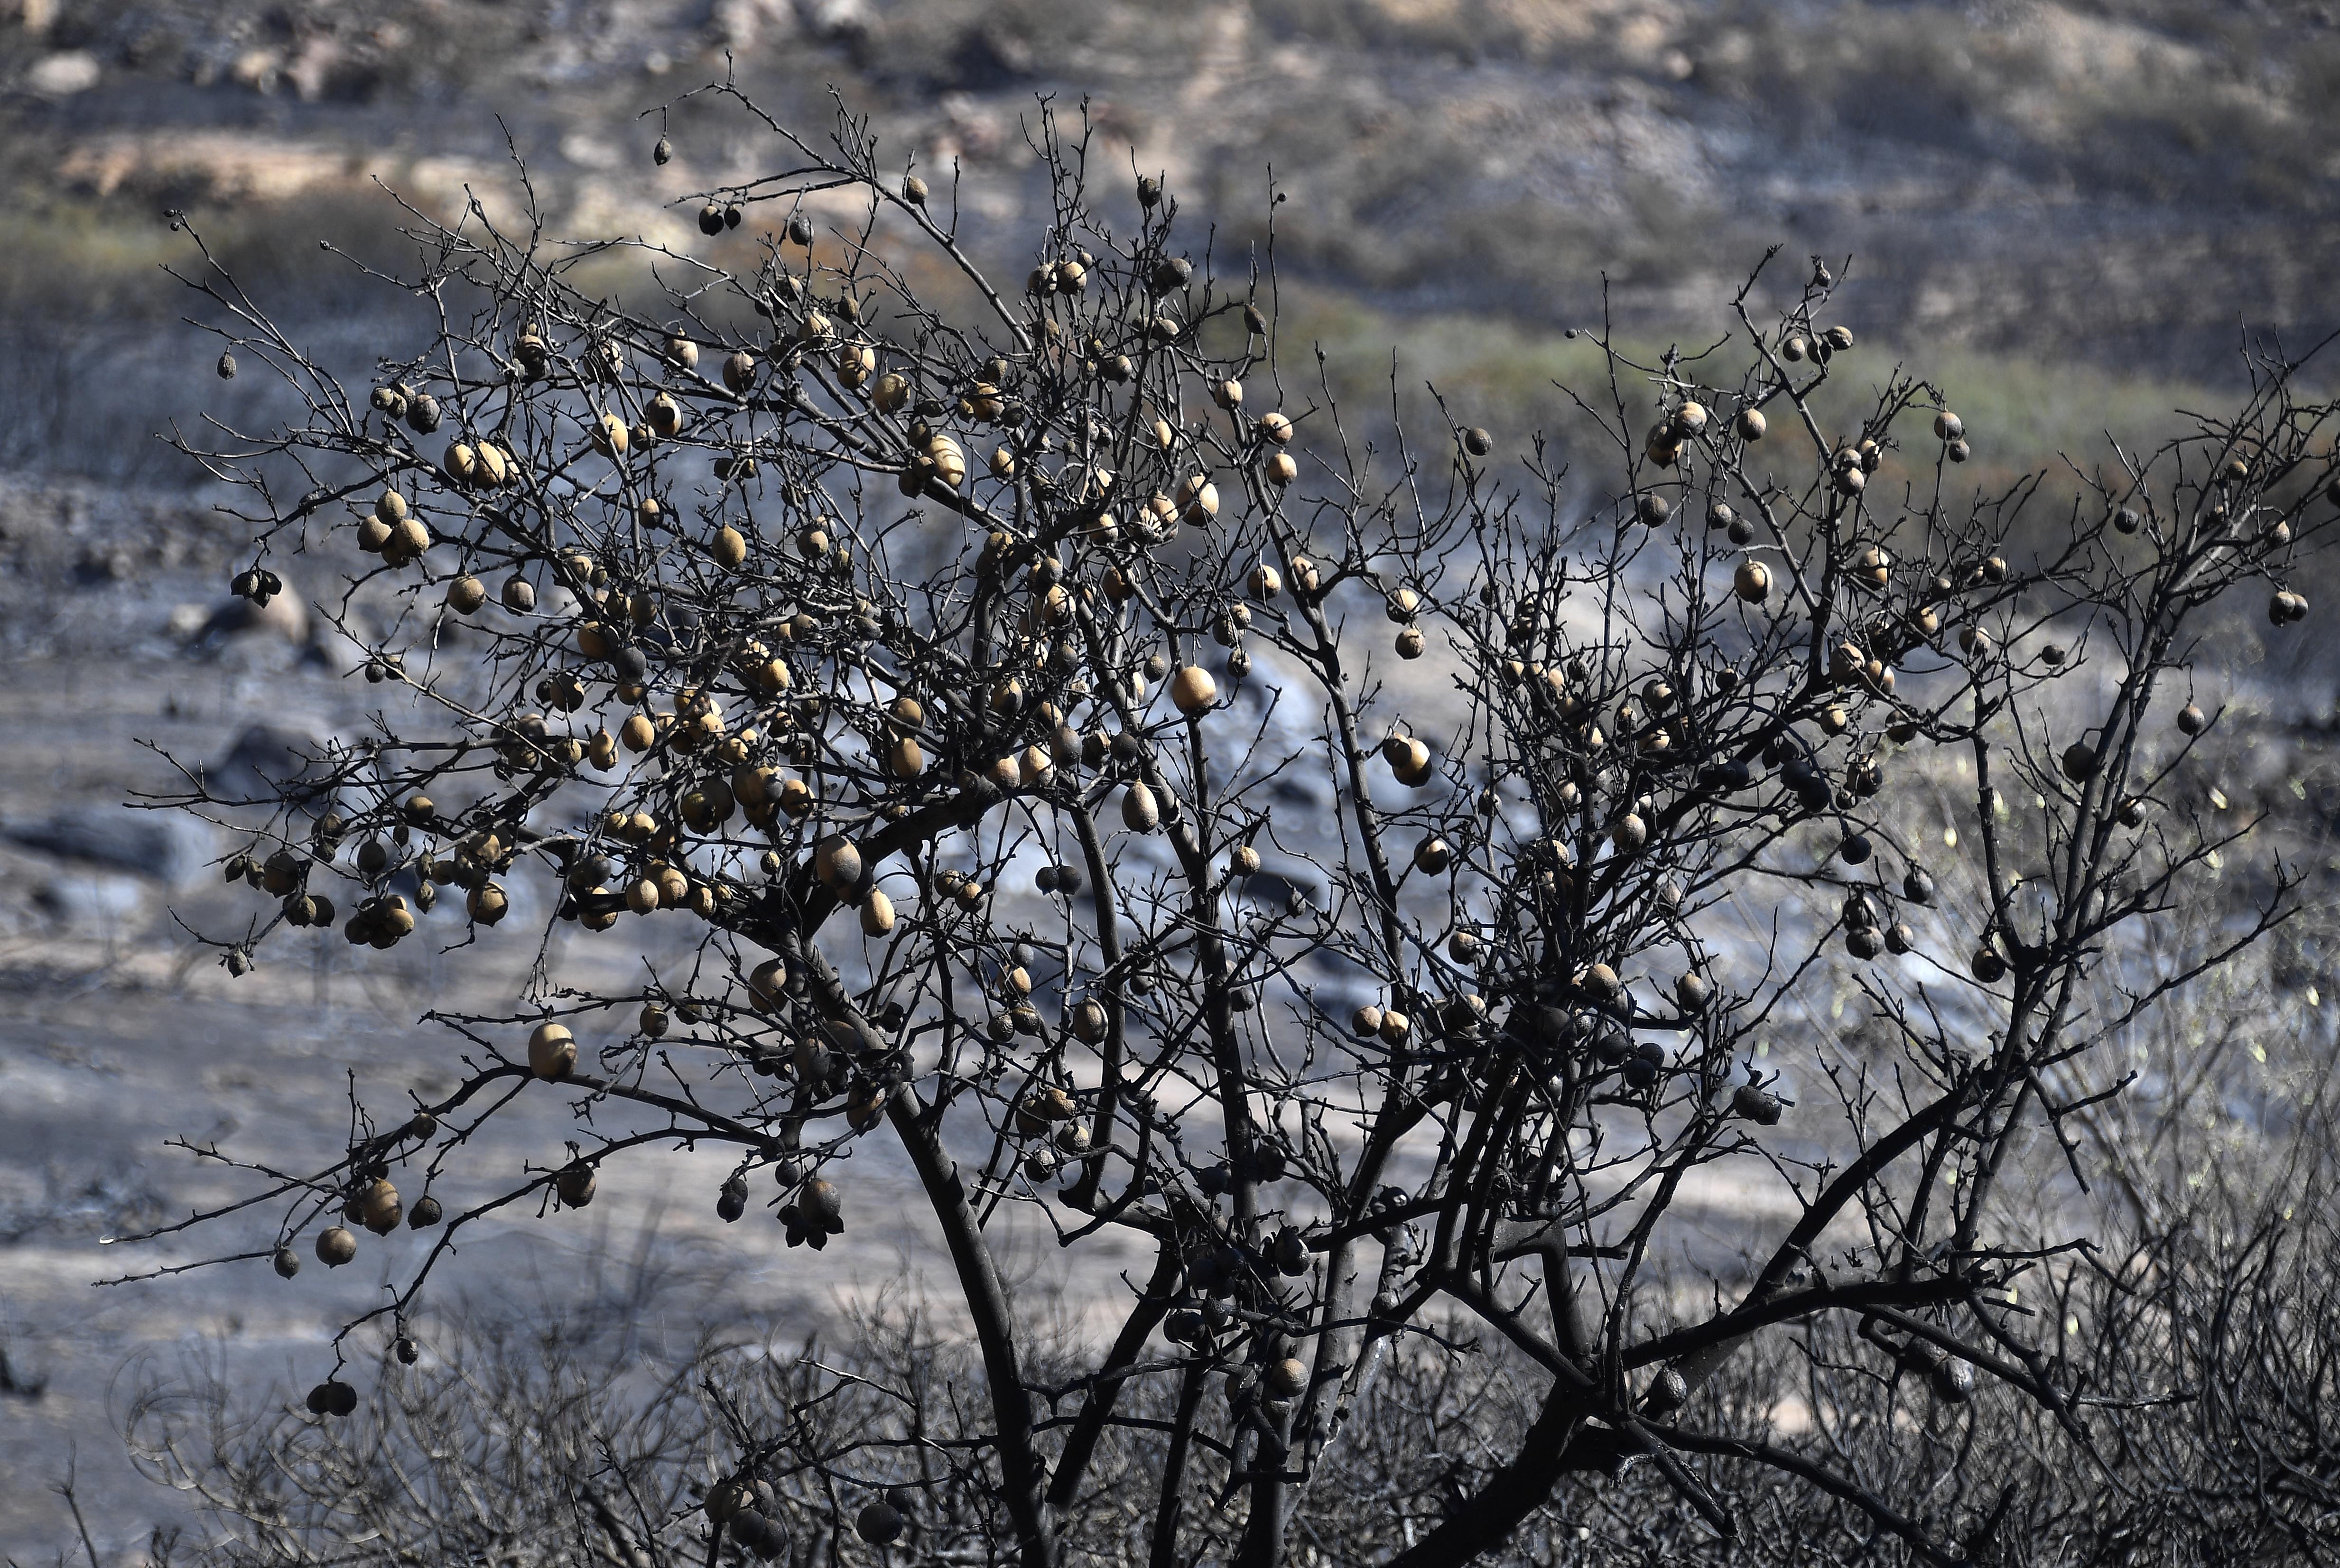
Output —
(282, 616)
(90, 900)
(168, 845)
(264, 759)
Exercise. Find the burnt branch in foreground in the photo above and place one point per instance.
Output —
(783, 628)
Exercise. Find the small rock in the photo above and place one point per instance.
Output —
(97, 565)
(834, 18)
(282, 616)
(63, 74)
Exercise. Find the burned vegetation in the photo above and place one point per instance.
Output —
(1398, 885)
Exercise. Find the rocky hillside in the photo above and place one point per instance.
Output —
(2129, 181)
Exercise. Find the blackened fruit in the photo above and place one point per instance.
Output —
(879, 1523)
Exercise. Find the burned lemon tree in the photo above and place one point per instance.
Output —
(1400, 887)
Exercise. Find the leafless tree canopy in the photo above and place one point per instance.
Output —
(1434, 858)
